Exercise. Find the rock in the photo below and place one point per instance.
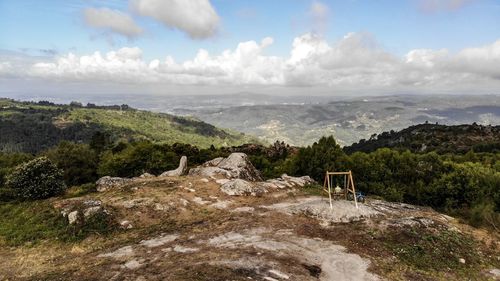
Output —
(235, 166)
(221, 181)
(181, 170)
(278, 274)
(126, 224)
(92, 211)
(287, 181)
(159, 241)
(242, 187)
(298, 181)
(204, 180)
(138, 202)
(213, 163)
(182, 249)
(146, 176)
(133, 264)
(126, 251)
(80, 209)
(221, 204)
(200, 201)
(107, 182)
(243, 209)
(73, 217)
(209, 172)
(184, 202)
(495, 272)
(240, 167)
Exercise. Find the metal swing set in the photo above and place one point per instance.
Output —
(335, 193)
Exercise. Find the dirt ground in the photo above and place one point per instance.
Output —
(186, 229)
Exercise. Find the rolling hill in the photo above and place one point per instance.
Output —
(32, 127)
(433, 137)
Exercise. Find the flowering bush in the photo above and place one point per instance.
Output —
(36, 179)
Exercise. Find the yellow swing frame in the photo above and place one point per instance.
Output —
(348, 186)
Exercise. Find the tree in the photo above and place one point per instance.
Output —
(36, 179)
(78, 161)
(315, 160)
(100, 141)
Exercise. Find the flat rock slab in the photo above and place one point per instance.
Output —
(319, 208)
(335, 262)
(158, 241)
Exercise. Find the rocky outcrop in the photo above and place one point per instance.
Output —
(238, 187)
(107, 182)
(286, 181)
(235, 166)
(181, 170)
(78, 210)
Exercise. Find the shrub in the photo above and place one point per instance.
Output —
(138, 158)
(36, 179)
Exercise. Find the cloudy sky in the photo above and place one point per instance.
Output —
(269, 46)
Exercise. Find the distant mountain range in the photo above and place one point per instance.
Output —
(350, 120)
(32, 127)
(296, 120)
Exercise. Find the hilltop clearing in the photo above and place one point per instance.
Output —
(190, 228)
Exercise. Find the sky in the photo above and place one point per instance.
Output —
(302, 47)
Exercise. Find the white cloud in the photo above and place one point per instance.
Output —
(356, 62)
(197, 18)
(112, 21)
(320, 15)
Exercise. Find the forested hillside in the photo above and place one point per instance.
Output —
(434, 137)
(33, 127)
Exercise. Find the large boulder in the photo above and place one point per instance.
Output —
(107, 182)
(235, 166)
(238, 187)
(181, 170)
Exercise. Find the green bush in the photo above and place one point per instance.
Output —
(138, 158)
(36, 179)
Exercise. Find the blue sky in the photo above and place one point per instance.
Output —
(55, 28)
(398, 25)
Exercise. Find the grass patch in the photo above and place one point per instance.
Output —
(35, 221)
(312, 189)
(80, 190)
(30, 222)
(436, 251)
